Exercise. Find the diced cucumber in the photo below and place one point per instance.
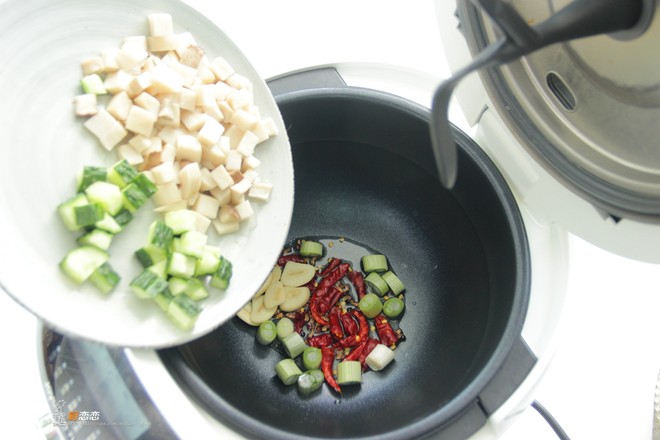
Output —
(133, 197)
(148, 284)
(93, 84)
(196, 290)
(180, 265)
(192, 243)
(183, 312)
(150, 255)
(123, 217)
(160, 235)
(122, 173)
(67, 213)
(208, 263)
(88, 215)
(159, 269)
(146, 185)
(181, 220)
(220, 279)
(80, 263)
(89, 175)
(108, 224)
(97, 238)
(107, 195)
(177, 285)
(105, 278)
(163, 299)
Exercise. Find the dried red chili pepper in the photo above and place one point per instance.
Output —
(357, 279)
(363, 324)
(332, 265)
(327, 361)
(350, 326)
(299, 321)
(368, 347)
(330, 279)
(385, 332)
(328, 301)
(349, 341)
(335, 323)
(320, 340)
(314, 310)
(354, 355)
(291, 257)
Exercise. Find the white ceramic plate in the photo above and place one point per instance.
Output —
(43, 145)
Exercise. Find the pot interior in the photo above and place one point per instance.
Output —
(363, 171)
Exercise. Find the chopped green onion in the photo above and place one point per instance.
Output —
(377, 283)
(370, 305)
(349, 372)
(311, 358)
(311, 248)
(287, 371)
(393, 307)
(294, 345)
(374, 263)
(284, 328)
(379, 357)
(310, 381)
(266, 332)
(394, 282)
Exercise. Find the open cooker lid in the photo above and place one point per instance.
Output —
(588, 111)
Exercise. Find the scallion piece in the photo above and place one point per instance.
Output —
(288, 371)
(294, 345)
(377, 283)
(284, 328)
(394, 282)
(311, 358)
(374, 263)
(349, 372)
(380, 357)
(393, 307)
(266, 332)
(310, 381)
(311, 248)
(370, 305)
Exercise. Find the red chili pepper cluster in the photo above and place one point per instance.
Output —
(332, 320)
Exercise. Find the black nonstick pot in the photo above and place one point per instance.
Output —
(364, 170)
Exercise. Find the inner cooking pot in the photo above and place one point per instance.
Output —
(364, 170)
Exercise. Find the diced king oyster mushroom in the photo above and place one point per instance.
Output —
(187, 118)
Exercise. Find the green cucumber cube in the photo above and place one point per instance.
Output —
(80, 263)
(122, 173)
(148, 285)
(177, 285)
(180, 265)
(183, 312)
(192, 243)
(93, 84)
(159, 269)
(105, 278)
(181, 220)
(163, 299)
(208, 263)
(97, 238)
(66, 211)
(196, 290)
(160, 235)
(108, 224)
(133, 197)
(88, 215)
(221, 278)
(107, 195)
(89, 175)
(146, 185)
(123, 217)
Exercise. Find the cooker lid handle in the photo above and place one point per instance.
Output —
(579, 19)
